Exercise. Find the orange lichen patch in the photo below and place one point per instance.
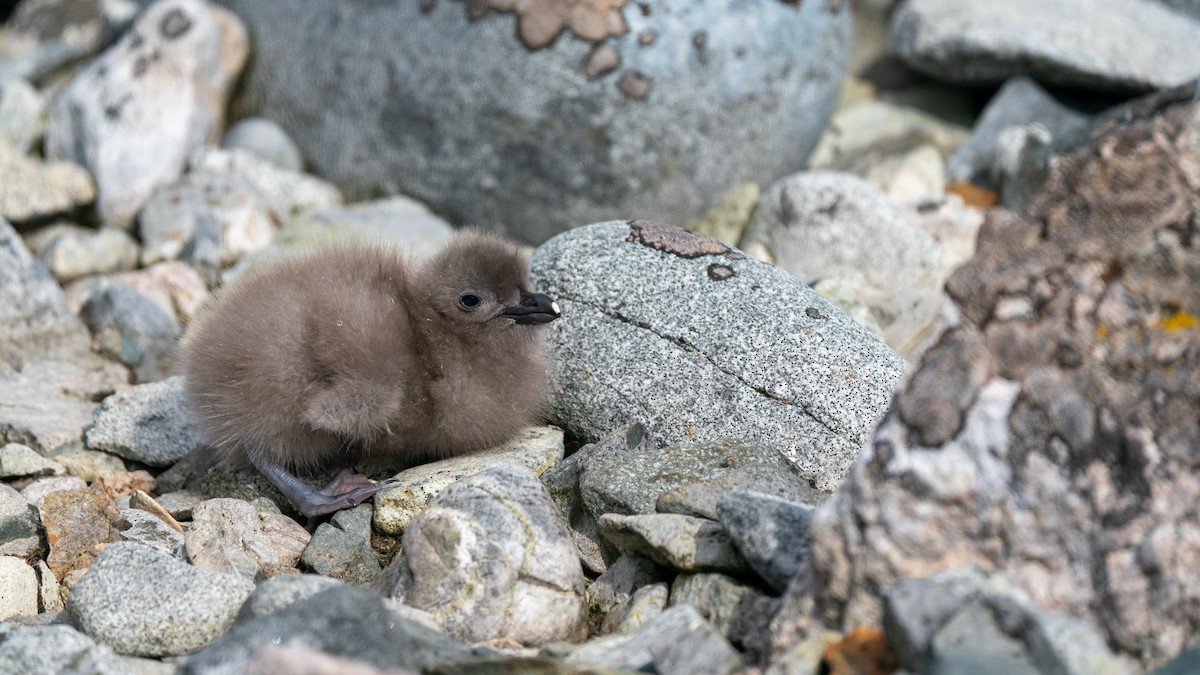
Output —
(974, 195)
(863, 651)
(1180, 320)
(540, 21)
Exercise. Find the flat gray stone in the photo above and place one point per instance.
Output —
(18, 588)
(342, 549)
(283, 590)
(230, 535)
(492, 559)
(468, 114)
(562, 480)
(740, 348)
(770, 533)
(536, 448)
(150, 423)
(58, 648)
(133, 115)
(650, 648)
(19, 461)
(680, 542)
(337, 621)
(20, 525)
(700, 498)
(963, 621)
(1080, 43)
(141, 602)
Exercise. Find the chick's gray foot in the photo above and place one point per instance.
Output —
(347, 490)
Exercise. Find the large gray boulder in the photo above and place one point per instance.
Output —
(1052, 435)
(492, 121)
(698, 342)
(1122, 45)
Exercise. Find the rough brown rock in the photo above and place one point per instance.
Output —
(1052, 436)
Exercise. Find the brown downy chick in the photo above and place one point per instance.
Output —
(352, 354)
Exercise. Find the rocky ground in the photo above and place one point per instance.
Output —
(916, 390)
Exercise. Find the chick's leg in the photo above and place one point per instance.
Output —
(346, 491)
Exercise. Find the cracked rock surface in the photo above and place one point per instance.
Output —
(1051, 436)
(753, 353)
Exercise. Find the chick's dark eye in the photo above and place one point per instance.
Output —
(468, 301)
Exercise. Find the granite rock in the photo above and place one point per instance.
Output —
(700, 498)
(697, 342)
(1080, 43)
(770, 533)
(342, 549)
(150, 531)
(424, 117)
(661, 639)
(626, 445)
(58, 648)
(725, 602)
(338, 621)
(961, 621)
(679, 542)
(150, 423)
(79, 524)
(142, 602)
(609, 595)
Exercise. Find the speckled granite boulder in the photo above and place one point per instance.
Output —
(142, 602)
(698, 342)
(1053, 434)
(636, 108)
(149, 423)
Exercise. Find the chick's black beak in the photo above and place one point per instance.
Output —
(533, 308)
